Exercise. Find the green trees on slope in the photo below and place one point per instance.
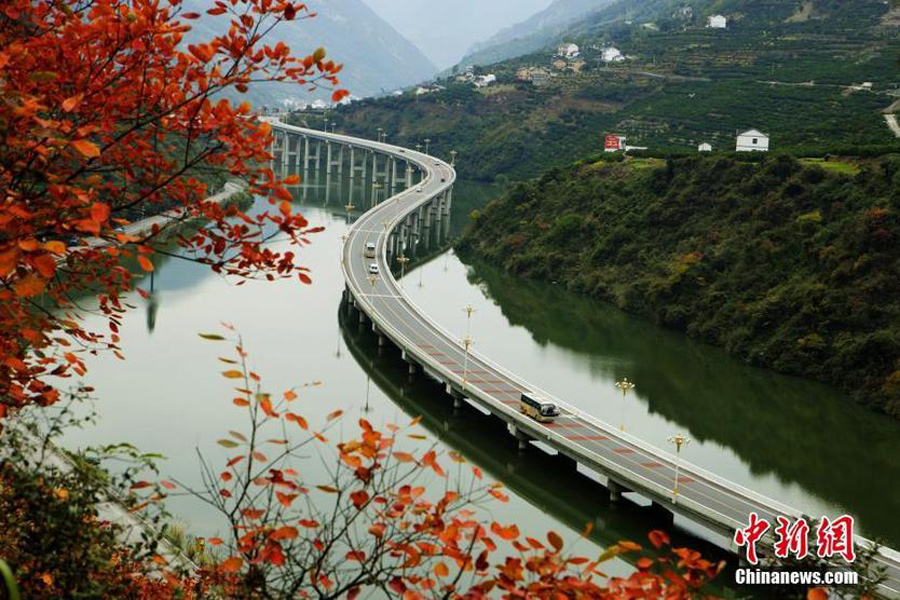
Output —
(784, 265)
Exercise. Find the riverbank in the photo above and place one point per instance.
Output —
(784, 265)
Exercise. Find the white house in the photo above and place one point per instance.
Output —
(717, 22)
(428, 89)
(752, 141)
(704, 147)
(568, 50)
(485, 80)
(612, 55)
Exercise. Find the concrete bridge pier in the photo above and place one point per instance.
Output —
(522, 437)
(445, 230)
(328, 158)
(339, 161)
(317, 157)
(410, 362)
(352, 162)
(382, 340)
(374, 166)
(437, 210)
(305, 154)
(616, 490)
(447, 202)
(456, 395)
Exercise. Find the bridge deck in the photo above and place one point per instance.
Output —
(626, 460)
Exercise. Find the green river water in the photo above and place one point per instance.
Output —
(799, 442)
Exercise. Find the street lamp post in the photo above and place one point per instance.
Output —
(470, 310)
(349, 206)
(380, 129)
(679, 440)
(427, 141)
(326, 124)
(626, 386)
(453, 158)
(467, 343)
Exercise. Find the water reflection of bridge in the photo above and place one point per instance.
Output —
(539, 478)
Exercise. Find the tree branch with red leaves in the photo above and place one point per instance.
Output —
(106, 111)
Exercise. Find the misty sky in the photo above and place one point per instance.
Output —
(445, 30)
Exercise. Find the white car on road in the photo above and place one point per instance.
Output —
(373, 268)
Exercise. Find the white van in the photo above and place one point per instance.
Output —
(370, 250)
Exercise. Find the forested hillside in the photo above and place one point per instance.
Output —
(785, 265)
(794, 70)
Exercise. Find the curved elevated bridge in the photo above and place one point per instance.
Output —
(623, 462)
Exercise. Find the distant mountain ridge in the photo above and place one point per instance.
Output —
(542, 29)
(376, 58)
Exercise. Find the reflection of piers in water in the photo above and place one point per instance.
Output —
(551, 483)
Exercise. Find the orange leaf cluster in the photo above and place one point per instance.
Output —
(105, 115)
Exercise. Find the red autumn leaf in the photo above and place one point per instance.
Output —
(359, 498)
(658, 538)
(555, 540)
(506, 533)
(87, 148)
(146, 263)
(265, 403)
(284, 533)
(404, 457)
(232, 564)
(296, 419)
(29, 286)
(45, 265)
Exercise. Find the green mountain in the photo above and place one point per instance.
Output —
(376, 58)
(786, 264)
(794, 70)
(538, 31)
